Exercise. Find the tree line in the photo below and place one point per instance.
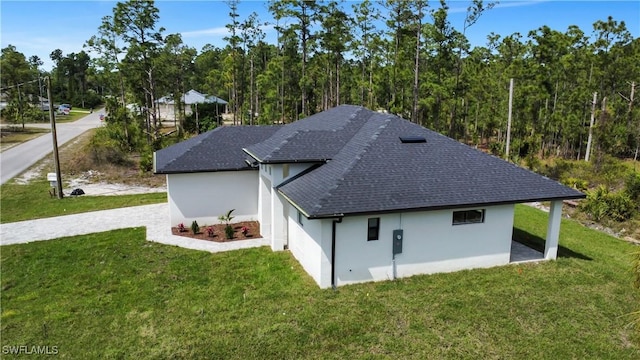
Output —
(403, 57)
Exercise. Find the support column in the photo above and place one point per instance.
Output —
(553, 230)
(264, 204)
(278, 215)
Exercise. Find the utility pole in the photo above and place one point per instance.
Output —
(633, 89)
(593, 116)
(197, 124)
(506, 155)
(56, 158)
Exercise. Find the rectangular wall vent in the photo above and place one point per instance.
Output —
(412, 139)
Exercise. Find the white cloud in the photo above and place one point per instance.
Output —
(217, 31)
(502, 4)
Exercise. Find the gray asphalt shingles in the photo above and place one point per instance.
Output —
(216, 150)
(376, 172)
(318, 137)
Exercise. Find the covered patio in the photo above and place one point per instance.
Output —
(522, 253)
(523, 248)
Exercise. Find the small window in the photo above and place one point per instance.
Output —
(373, 229)
(300, 219)
(468, 217)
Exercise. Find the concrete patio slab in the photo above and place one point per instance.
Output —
(522, 253)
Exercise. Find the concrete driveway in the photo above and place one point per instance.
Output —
(19, 158)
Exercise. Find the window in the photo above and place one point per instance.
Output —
(300, 219)
(468, 217)
(373, 229)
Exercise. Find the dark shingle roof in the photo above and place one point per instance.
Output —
(364, 167)
(314, 139)
(216, 150)
(375, 172)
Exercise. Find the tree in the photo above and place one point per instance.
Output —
(174, 64)
(335, 37)
(252, 36)
(305, 13)
(16, 74)
(106, 44)
(232, 63)
(419, 7)
(365, 46)
(135, 23)
(474, 11)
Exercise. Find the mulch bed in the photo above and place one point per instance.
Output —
(219, 234)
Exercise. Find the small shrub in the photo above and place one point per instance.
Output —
(576, 183)
(227, 217)
(146, 160)
(181, 227)
(532, 162)
(244, 230)
(228, 231)
(210, 232)
(496, 148)
(621, 207)
(195, 228)
(595, 205)
(601, 204)
(632, 186)
(636, 272)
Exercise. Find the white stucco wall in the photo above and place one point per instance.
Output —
(273, 209)
(205, 196)
(310, 244)
(431, 244)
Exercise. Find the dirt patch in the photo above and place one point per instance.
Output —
(218, 235)
(93, 179)
(86, 182)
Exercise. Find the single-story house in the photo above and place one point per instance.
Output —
(358, 195)
(190, 99)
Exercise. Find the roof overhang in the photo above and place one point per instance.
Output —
(203, 171)
(427, 208)
(285, 161)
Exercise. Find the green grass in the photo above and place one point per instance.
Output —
(114, 295)
(16, 135)
(74, 114)
(25, 202)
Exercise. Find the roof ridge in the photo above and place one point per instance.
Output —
(355, 159)
(281, 144)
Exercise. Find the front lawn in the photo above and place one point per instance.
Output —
(115, 295)
(32, 201)
(74, 114)
(12, 136)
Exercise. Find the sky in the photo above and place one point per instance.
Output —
(39, 27)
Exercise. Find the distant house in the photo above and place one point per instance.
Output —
(190, 100)
(357, 195)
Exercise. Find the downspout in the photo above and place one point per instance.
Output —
(333, 251)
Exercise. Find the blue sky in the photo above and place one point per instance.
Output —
(39, 27)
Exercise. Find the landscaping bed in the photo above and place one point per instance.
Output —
(252, 231)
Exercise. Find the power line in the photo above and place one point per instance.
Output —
(18, 85)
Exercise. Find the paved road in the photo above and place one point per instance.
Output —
(154, 217)
(19, 158)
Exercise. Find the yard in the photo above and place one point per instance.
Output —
(14, 135)
(115, 295)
